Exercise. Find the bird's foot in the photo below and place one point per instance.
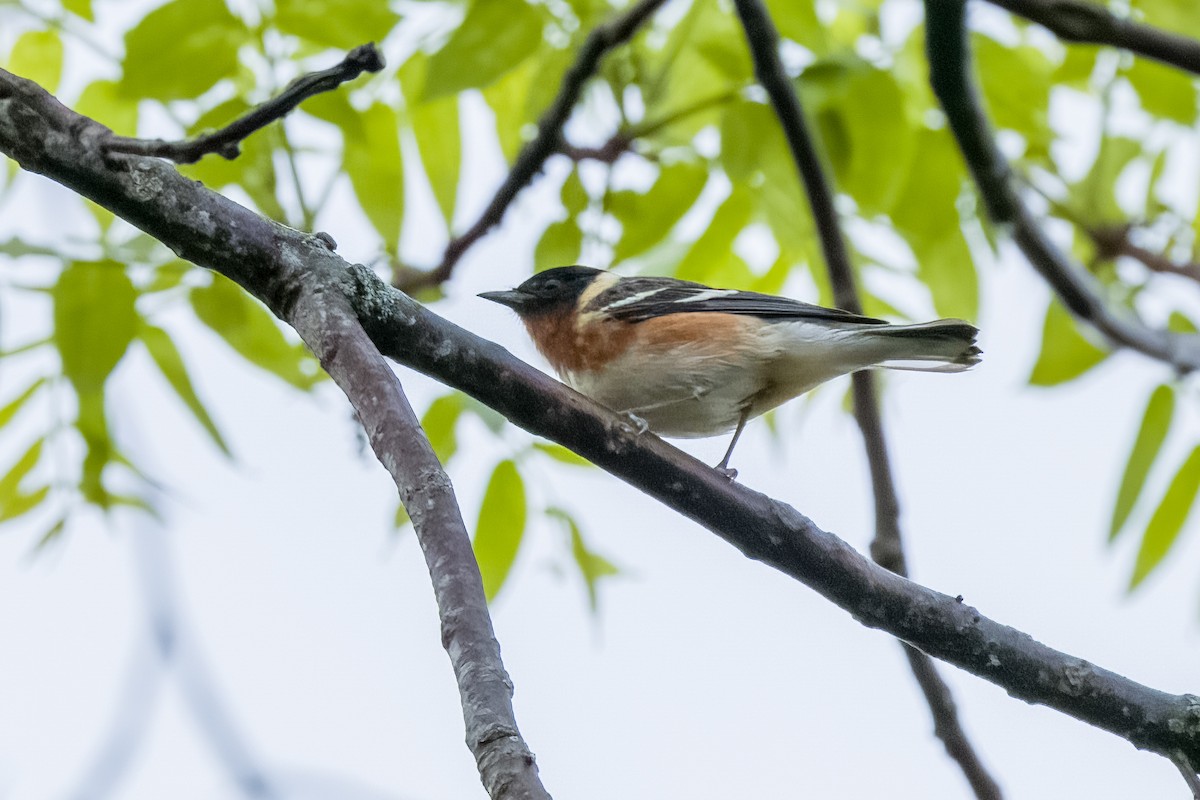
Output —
(728, 472)
(638, 424)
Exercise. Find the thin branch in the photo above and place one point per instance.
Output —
(948, 50)
(549, 140)
(1092, 23)
(1188, 772)
(227, 141)
(280, 265)
(1114, 240)
(887, 548)
(328, 325)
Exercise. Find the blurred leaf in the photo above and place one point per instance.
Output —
(1078, 64)
(494, 37)
(1174, 15)
(860, 115)
(170, 363)
(1179, 323)
(9, 411)
(435, 126)
(51, 535)
(181, 49)
(1016, 88)
(253, 333)
(561, 245)
(343, 24)
(1168, 520)
(1155, 423)
(38, 56)
(592, 566)
(92, 423)
(1164, 91)
(797, 20)
(490, 417)
(168, 276)
(22, 503)
(10, 482)
(102, 101)
(1096, 194)
(439, 423)
(80, 8)
(561, 454)
(946, 267)
(574, 196)
(94, 321)
(16, 247)
(1066, 354)
(647, 218)
(508, 99)
(713, 249)
(501, 526)
(377, 173)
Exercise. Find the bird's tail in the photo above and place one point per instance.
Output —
(944, 345)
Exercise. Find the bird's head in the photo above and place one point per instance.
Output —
(553, 291)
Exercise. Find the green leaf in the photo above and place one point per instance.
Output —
(1164, 91)
(11, 408)
(253, 333)
(494, 37)
(501, 526)
(1174, 15)
(80, 8)
(22, 503)
(1078, 64)
(38, 56)
(1096, 194)
(574, 196)
(860, 114)
(51, 535)
(376, 172)
(561, 454)
(181, 49)
(797, 20)
(11, 481)
(1150, 437)
(1066, 354)
(592, 566)
(945, 266)
(440, 422)
(102, 101)
(1016, 88)
(343, 24)
(435, 126)
(94, 321)
(170, 363)
(509, 100)
(1163, 530)
(647, 218)
(401, 519)
(560, 245)
(712, 251)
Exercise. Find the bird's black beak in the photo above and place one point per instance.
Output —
(514, 299)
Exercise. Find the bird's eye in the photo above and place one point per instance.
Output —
(551, 286)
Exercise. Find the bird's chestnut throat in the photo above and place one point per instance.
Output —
(577, 344)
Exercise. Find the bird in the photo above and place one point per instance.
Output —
(686, 360)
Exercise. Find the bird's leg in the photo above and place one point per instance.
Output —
(723, 467)
(640, 425)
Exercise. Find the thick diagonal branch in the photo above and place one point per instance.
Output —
(227, 140)
(547, 142)
(949, 73)
(279, 265)
(1092, 23)
(887, 548)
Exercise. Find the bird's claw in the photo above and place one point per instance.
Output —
(728, 472)
(638, 424)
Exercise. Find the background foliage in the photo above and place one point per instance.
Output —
(700, 185)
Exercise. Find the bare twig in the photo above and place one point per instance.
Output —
(949, 59)
(887, 548)
(1188, 772)
(227, 141)
(278, 265)
(536, 152)
(1092, 23)
(328, 325)
(1114, 240)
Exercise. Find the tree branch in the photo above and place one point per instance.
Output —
(887, 548)
(549, 140)
(279, 265)
(1112, 241)
(227, 141)
(1092, 23)
(948, 50)
(329, 326)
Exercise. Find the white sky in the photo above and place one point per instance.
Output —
(706, 676)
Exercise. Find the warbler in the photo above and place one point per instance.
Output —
(692, 361)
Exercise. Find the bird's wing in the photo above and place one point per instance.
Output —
(640, 299)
